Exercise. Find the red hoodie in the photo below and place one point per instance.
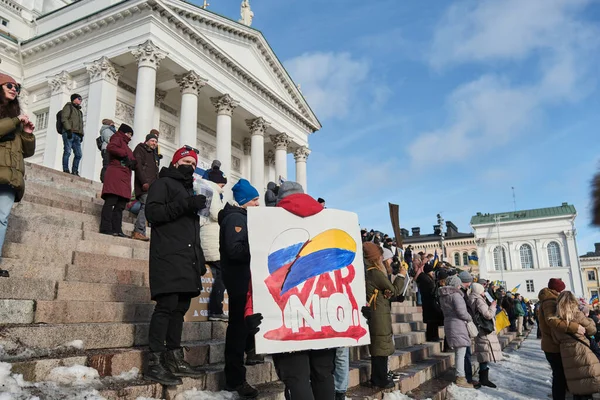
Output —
(299, 204)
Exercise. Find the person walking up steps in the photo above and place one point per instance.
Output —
(146, 172)
(72, 126)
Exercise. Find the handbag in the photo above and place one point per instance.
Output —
(472, 328)
(486, 326)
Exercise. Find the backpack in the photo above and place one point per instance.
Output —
(99, 142)
(59, 124)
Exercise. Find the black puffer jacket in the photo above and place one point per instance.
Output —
(431, 308)
(176, 258)
(234, 249)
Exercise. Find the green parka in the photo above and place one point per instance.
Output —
(380, 324)
(12, 154)
(72, 118)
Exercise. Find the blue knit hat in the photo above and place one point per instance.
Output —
(244, 192)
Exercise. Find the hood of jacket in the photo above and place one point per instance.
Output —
(123, 136)
(301, 205)
(449, 290)
(546, 294)
(271, 186)
(173, 173)
(112, 128)
(229, 209)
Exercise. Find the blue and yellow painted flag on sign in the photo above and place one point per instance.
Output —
(594, 299)
(473, 260)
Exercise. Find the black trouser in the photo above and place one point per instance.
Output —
(379, 371)
(105, 161)
(166, 324)
(433, 332)
(237, 342)
(112, 214)
(307, 375)
(215, 301)
(559, 382)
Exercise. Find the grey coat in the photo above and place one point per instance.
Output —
(487, 347)
(456, 316)
(106, 133)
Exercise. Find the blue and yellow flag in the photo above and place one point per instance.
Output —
(436, 259)
(473, 260)
(516, 288)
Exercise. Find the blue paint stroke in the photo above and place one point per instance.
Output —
(315, 264)
(283, 257)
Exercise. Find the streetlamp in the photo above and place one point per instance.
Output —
(440, 222)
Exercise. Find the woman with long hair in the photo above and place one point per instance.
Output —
(379, 292)
(581, 365)
(17, 142)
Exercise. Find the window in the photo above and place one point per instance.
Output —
(456, 259)
(594, 293)
(554, 254)
(41, 120)
(465, 258)
(530, 287)
(497, 257)
(591, 275)
(474, 254)
(526, 256)
(3, 21)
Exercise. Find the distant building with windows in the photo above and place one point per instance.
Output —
(532, 246)
(590, 268)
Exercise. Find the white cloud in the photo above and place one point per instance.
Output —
(329, 81)
(492, 110)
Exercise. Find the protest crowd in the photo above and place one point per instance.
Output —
(193, 229)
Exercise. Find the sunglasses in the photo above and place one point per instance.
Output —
(16, 86)
(190, 148)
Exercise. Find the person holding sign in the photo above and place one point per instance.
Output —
(379, 292)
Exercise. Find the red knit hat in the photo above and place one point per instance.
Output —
(556, 284)
(183, 152)
(6, 79)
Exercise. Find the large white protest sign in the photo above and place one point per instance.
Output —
(308, 279)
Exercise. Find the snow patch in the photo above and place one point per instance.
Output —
(77, 375)
(396, 395)
(195, 394)
(128, 375)
(76, 344)
(145, 398)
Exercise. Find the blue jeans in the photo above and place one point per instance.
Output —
(7, 199)
(342, 369)
(140, 222)
(75, 144)
(468, 365)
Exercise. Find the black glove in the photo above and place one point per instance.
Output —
(366, 312)
(160, 156)
(69, 134)
(253, 322)
(197, 203)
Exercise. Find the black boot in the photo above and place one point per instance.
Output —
(245, 391)
(175, 362)
(4, 273)
(254, 359)
(157, 371)
(340, 395)
(484, 378)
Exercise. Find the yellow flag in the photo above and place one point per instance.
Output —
(502, 321)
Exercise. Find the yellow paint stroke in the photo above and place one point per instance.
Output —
(330, 239)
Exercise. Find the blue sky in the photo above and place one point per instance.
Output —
(444, 106)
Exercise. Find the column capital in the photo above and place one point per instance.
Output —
(281, 141)
(159, 96)
(224, 104)
(247, 146)
(258, 126)
(103, 69)
(190, 83)
(270, 157)
(301, 154)
(60, 83)
(148, 54)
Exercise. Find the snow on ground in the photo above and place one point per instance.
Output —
(525, 375)
(202, 395)
(396, 395)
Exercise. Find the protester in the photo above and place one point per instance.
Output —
(379, 292)
(146, 173)
(235, 263)
(321, 202)
(467, 279)
(432, 313)
(117, 182)
(549, 323)
(519, 313)
(157, 155)
(176, 265)
(341, 371)
(456, 317)
(17, 142)
(271, 194)
(106, 131)
(72, 126)
(487, 346)
(209, 235)
(215, 169)
(581, 365)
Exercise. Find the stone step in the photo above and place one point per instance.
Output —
(405, 327)
(405, 307)
(408, 317)
(85, 291)
(409, 339)
(92, 260)
(27, 289)
(53, 189)
(42, 339)
(34, 270)
(74, 312)
(101, 274)
(40, 172)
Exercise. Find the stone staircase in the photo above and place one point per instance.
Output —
(76, 297)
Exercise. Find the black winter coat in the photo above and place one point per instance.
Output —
(427, 288)
(234, 249)
(176, 257)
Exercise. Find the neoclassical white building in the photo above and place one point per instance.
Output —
(532, 246)
(199, 78)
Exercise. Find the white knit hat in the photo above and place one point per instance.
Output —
(477, 288)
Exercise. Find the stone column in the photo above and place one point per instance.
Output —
(102, 100)
(270, 166)
(281, 143)
(190, 85)
(258, 127)
(159, 97)
(60, 88)
(247, 162)
(148, 56)
(301, 155)
(571, 260)
(225, 106)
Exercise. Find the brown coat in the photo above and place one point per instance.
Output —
(487, 347)
(146, 170)
(15, 146)
(581, 366)
(547, 324)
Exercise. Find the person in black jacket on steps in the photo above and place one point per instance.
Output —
(176, 265)
(235, 264)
